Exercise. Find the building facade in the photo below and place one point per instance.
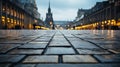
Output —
(49, 22)
(104, 15)
(13, 15)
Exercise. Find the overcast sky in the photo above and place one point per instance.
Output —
(65, 10)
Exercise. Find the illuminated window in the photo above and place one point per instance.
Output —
(8, 19)
(3, 18)
(11, 20)
(15, 22)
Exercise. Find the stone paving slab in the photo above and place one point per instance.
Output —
(26, 51)
(78, 65)
(60, 50)
(83, 44)
(92, 51)
(109, 45)
(59, 42)
(73, 39)
(104, 41)
(7, 47)
(5, 65)
(78, 59)
(44, 40)
(116, 51)
(25, 65)
(41, 59)
(33, 46)
(11, 58)
(41, 40)
(14, 42)
(38, 42)
(108, 58)
(60, 45)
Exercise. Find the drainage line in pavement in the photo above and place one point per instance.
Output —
(94, 44)
(89, 42)
(70, 44)
(45, 49)
(34, 39)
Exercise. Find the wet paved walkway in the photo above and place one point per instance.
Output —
(35, 48)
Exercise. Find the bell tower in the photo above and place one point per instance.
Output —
(49, 23)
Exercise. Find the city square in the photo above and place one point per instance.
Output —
(59, 33)
(71, 48)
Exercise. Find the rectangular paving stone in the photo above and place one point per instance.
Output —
(42, 40)
(26, 51)
(78, 65)
(5, 65)
(78, 59)
(33, 46)
(25, 65)
(103, 41)
(114, 58)
(60, 45)
(41, 59)
(7, 47)
(116, 51)
(38, 42)
(110, 45)
(58, 39)
(11, 58)
(92, 51)
(60, 50)
(83, 44)
(47, 38)
(14, 41)
(73, 39)
(59, 42)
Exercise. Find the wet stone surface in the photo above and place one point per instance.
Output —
(78, 65)
(83, 44)
(116, 51)
(92, 51)
(78, 59)
(33, 46)
(11, 58)
(41, 59)
(5, 65)
(7, 47)
(109, 45)
(26, 51)
(25, 65)
(109, 58)
(59, 48)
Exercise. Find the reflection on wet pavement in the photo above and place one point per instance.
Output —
(33, 48)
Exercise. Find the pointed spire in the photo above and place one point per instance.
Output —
(49, 3)
(49, 9)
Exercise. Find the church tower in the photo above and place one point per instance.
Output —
(49, 23)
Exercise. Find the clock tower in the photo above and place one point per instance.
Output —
(49, 23)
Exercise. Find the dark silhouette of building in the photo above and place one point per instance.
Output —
(13, 15)
(49, 23)
(104, 15)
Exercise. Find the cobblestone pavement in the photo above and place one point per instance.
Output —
(55, 48)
